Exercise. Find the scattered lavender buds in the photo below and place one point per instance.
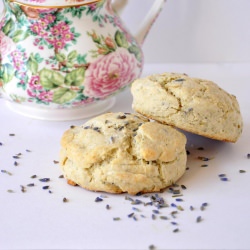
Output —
(198, 219)
(163, 217)
(204, 165)
(153, 217)
(223, 177)
(173, 205)
(156, 211)
(44, 179)
(203, 206)
(173, 214)
(131, 215)
(31, 185)
(134, 218)
(153, 203)
(180, 208)
(179, 199)
(23, 189)
(136, 209)
(203, 158)
(151, 247)
(6, 172)
(98, 199)
(174, 223)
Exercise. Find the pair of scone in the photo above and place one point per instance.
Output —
(123, 152)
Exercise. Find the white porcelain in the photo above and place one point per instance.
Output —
(68, 55)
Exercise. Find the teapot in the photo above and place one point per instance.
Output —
(67, 59)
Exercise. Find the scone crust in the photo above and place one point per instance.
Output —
(195, 105)
(118, 153)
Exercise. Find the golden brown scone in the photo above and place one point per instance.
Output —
(121, 152)
(195, 105)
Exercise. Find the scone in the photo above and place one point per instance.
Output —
(122, 152)
(192, 104)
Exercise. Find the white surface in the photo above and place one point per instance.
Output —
(194, 30)
(37, 219)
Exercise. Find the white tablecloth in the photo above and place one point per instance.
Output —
(33, 217)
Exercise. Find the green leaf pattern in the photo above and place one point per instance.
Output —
(60, 78)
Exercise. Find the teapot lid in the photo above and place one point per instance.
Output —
(53, 3)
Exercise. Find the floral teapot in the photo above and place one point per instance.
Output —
(66, 59)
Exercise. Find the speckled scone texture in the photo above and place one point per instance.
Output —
(120, 152)
(195, 105)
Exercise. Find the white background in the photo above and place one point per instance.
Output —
(194, 30)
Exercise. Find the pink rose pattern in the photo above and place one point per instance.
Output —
(110, 73)
(95, 75)
(6, 45)
(35, 1)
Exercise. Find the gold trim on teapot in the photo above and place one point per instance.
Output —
(55, 3)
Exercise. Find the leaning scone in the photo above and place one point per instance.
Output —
(192, 104)
(121, 152)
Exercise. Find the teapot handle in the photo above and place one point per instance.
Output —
(148, 20)
(119, 5)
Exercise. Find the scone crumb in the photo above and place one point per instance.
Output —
(72, 183)
(65, 200)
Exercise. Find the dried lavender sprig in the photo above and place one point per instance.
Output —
(44, 179)
(6, 172)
